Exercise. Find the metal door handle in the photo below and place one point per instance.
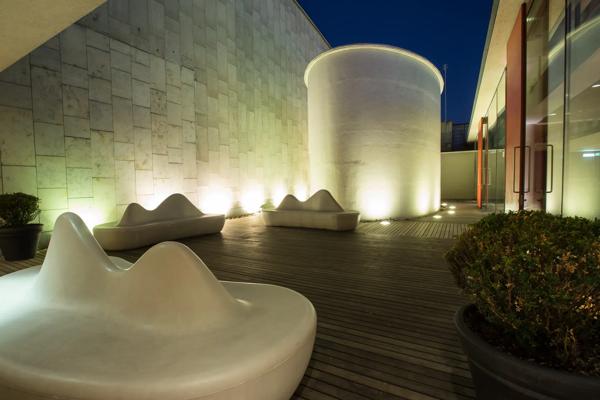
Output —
(515, 168)
(551, 147)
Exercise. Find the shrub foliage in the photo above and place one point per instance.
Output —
(17, 209)
(535, 279)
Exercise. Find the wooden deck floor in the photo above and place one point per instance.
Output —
(384, 301)
(419, 229)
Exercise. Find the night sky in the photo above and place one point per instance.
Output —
(444, 31)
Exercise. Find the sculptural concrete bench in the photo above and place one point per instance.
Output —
(86, 326)
(320, 211)
(175, 218)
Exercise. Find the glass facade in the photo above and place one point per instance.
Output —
(544, 101)
(581, 195)
(563, 106)
(562, 112)
(494, 152)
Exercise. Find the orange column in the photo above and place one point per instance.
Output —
(482, 121)
(515, 115)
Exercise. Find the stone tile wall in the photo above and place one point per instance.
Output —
(143, 98)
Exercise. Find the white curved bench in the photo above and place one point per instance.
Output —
(90, 327)
(320, 211)
(175, 218)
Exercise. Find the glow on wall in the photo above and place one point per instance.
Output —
(374, 129)
(94, 120)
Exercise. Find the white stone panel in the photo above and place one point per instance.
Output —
(72, 46)
(100, 90)
(77, 127)
(19, 179)
(98, 63)
(53, 199)
(16, 137)
(46, 95)
(121, 84)
(15, 95)
(51, 172)
(141, 117)
(78, 152)
(49, 139)
(125, 182)
(101, 117)
(123, 120)
(103, 159)
(79, 182)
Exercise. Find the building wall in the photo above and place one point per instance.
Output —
(459, 175)
(143, 98)
(459, 137)
(446, 142)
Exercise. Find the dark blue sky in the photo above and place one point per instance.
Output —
(444, 31)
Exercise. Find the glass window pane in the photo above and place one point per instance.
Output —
(582, 143)
(500, 167)
(544, 99)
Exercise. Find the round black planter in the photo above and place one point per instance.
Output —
(499, 376)
(20, 243)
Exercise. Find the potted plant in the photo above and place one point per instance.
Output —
(18, 238)
(533, 330)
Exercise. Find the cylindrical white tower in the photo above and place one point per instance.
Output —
(374, 129)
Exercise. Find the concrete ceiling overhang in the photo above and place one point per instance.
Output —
(26, 24)
(502, 21)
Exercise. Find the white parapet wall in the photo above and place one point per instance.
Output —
(374, 130)
(459, 175)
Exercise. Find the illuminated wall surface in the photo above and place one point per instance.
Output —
(374, 130)
(141, 99)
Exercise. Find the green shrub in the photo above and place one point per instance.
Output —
(535, 280)
(18, 209)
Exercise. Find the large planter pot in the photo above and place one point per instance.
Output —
(20, 243)
(499, 376)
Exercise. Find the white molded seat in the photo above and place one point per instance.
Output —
(86, 326)
(175, 218)
(320, 211)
